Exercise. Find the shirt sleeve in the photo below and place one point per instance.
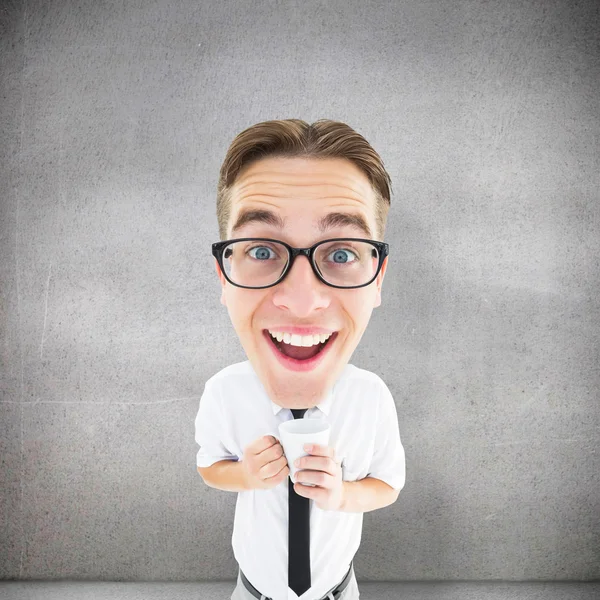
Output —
(210, 430)
(388, 462)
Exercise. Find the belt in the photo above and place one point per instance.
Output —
(334, 592)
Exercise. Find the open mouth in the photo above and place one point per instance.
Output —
(296, 357)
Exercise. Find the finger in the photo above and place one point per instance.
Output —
(318, 463)
(315, 493)
(262, 444)
(318, 450)
(319, 478)
(281, 473)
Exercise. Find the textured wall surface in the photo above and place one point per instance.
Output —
(115, 118)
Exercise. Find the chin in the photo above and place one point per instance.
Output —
(290, 388)
(301, 390)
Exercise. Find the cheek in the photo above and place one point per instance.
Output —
(359, 308)
(242, 305)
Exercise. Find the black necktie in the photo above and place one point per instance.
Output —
(299, 534)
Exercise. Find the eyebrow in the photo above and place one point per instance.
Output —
(329, 221)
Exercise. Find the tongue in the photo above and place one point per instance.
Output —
(299, 352)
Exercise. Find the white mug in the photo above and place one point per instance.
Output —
(293, 434)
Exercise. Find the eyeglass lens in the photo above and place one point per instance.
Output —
(256, 263)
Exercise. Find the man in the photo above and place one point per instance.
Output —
(299, 317)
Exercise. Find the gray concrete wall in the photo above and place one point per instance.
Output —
(115, 118)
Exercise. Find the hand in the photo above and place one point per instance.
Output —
(325, 472)
(264, 463)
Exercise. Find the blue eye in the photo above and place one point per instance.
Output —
(341, 256)
(262, 253)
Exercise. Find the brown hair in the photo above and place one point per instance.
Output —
(296, 138)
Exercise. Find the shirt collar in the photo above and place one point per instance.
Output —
(324, 406)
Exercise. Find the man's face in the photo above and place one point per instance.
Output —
(301, 191)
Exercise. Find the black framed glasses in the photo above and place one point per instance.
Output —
(258, 263)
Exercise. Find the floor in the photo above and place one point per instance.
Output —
(222, 590)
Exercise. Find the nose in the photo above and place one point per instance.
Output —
(301, 292)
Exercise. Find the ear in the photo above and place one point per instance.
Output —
(223, 281)
(379, 281)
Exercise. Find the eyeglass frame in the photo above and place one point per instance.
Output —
(382, 248)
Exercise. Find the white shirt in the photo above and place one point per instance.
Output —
(235, 410)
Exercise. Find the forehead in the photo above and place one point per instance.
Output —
(290, 194)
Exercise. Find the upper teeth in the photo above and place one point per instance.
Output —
(300, 340)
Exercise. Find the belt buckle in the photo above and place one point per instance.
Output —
(335, 593)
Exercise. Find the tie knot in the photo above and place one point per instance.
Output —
(298, 412)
